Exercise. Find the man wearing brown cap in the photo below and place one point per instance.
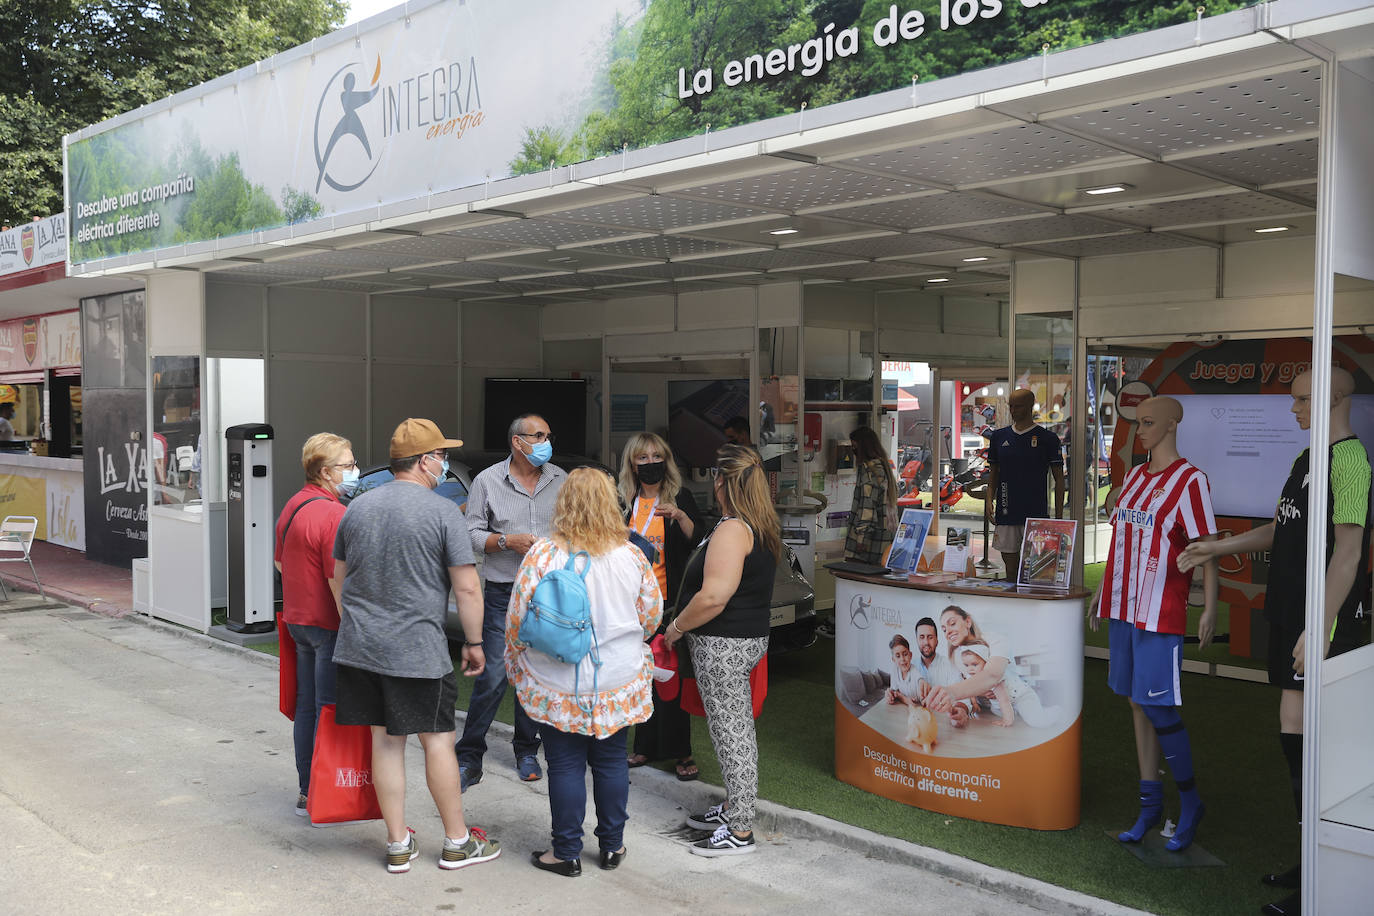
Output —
(399, 551)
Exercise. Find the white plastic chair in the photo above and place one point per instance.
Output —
(16, 539)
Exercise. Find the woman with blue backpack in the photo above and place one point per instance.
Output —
(583, 603)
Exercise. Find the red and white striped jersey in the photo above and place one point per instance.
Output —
(1156, 516)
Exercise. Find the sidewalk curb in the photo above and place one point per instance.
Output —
(17, 583)
(775, 818)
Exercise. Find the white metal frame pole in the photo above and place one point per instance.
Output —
(1323, 311)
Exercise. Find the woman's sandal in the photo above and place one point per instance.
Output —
(687, 770)
(636, 760)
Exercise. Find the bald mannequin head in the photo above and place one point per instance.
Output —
(1157, 422)
(1342, 387)
(1021, 405)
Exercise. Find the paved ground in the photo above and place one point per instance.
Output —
(147, 770)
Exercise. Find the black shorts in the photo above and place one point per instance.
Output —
(1351, 633)
(405, 705)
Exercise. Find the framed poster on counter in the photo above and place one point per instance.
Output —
(1047, 547)
(1010, 753)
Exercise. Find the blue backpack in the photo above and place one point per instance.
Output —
(558, 622)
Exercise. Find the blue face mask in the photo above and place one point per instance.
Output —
(349, 482)
(540, 453)
(443, 473)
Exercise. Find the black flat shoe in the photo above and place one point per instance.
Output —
(610, 860)
(1288, 906)
(568, 868)
(1290, 879)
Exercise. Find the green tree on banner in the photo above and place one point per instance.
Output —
(643, 105)
(71, 63)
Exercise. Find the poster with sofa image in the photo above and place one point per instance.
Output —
(966, 704)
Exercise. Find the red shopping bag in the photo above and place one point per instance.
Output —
(758, 688)
(341, 773)
(665, 659)
(286, 671)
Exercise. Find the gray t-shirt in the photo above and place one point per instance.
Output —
(398, 542)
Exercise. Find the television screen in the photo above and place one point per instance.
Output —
(1246, 444)
(560, 401)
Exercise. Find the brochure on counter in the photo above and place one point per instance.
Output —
(910, 540)
(1047, 553)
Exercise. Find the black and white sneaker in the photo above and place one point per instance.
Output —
(723, 843)
(712, 819)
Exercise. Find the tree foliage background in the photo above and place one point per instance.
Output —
(637, 101)
(65, 64)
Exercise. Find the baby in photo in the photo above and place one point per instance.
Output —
(1011, 695)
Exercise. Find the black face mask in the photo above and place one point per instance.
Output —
(652, 472)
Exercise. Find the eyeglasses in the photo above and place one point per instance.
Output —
(347, 467)
(716, 472)
(538, 437)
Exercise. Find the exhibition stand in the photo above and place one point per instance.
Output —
(770, 265)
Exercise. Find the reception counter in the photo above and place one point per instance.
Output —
(49, 489)
(1019, 766)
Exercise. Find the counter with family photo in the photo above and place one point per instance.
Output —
(965, 701)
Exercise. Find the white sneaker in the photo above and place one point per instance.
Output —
(723, 843)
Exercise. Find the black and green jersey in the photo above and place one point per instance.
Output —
(1347, 503)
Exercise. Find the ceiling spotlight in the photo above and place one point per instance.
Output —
(976, 260)
(1107, 189)
(1272, 229)
(1001, 391)
(938, 280)
(783, 231)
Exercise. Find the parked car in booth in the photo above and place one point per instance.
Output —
(794, 599)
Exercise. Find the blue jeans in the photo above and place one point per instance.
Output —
(490, 687)
(314, 688)
(568, 757)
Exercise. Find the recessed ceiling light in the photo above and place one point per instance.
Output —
(784, 231)
(975, 260)
(1272, 229)
(938, 280)
(1107, 189)
(563, 260)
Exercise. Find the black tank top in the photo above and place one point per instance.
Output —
(746, 614)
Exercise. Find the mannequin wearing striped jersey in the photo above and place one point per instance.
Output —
(1160, 505)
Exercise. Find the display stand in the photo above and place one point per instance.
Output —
(1026, 774)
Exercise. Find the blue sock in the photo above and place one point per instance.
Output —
(1178, 752)
(1151, 809)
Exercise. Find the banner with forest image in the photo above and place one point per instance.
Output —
(457, 95)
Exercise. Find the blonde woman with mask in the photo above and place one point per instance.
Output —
(665, 514)
(726, 593)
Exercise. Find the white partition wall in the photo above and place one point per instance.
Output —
(1339, 731)
(178, 535)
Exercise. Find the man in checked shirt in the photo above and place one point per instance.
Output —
(509, 508)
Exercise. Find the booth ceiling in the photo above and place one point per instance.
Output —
(1205, 154)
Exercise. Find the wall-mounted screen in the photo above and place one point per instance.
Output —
(1246, 444)
(562, 402)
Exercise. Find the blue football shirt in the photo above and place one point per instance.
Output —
(1023, 463)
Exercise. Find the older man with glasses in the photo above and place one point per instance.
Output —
(509, 508)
